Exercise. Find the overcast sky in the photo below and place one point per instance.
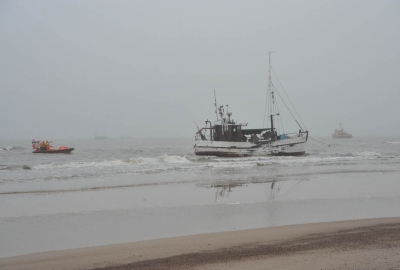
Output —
(73, 69)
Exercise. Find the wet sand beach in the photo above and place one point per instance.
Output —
(356, 244)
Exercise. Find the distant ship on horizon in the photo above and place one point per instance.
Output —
(100, 137)
(341, 134)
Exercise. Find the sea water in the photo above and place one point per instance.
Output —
(122, 190)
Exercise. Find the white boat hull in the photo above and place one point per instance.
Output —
(288, 147)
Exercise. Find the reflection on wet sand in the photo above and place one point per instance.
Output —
(275, 193)
(272, 188)
(224, 190)
(272, 191)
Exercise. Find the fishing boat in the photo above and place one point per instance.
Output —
(341, 134)
(227, 138)
(44, 147)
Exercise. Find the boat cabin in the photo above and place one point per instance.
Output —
(235, 133)
(228, 130)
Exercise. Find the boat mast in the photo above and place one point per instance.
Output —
(272, 100)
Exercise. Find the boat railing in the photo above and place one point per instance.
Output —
(293, 134)
(290, 135)
(205, 137)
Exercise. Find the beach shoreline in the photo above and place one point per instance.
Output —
(352, 244)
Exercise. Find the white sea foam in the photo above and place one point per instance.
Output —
(142, 160)
(159, 159)
(202, 158)
(173, 159)
(286, 161)
(165, 159)
(217, 162)
(368, 154)
(392, 142)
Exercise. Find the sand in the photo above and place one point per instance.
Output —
(358, 244)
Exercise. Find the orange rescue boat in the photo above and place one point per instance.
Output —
(45, 147)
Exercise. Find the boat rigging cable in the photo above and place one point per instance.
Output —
(289, 101)
(319, 141)
(294, 108)
(290, 112)
(271, 91)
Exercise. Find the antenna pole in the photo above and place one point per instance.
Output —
(215, 104)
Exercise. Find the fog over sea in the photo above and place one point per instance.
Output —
(121, 190)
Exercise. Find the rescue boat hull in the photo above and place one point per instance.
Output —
(54, 151)
(348, 136)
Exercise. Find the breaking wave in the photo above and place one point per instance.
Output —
(105, 163)
(392, 142)
(9, 148)
(160, 159)
(15, 167)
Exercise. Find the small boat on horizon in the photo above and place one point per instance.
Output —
(341, 134)
(227, 138)
(100, 137)
(44, 147)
